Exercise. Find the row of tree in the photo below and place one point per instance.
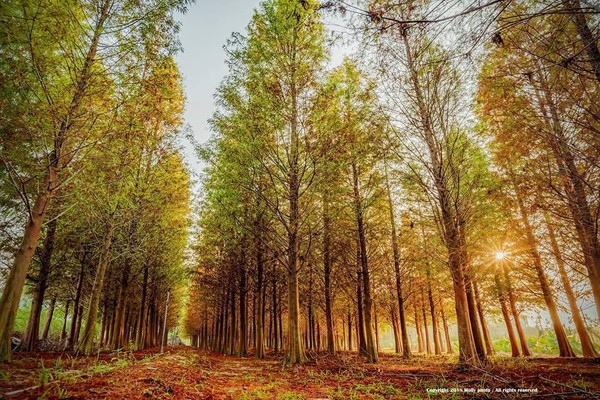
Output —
(93, 191)
(335, 198)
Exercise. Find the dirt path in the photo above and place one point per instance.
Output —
(185, 373)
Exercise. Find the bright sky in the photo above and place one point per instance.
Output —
(204, 30)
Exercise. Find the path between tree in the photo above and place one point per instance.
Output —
(186, 373)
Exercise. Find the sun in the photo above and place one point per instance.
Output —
(500, 255)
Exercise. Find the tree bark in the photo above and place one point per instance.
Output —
(489, 347)
(565, 349)
(63, 332)
(587, 345)
(574, 188)
(370, 347)
(327, 272)
(589, 42)
(511, 333)
(434, 325)
(49, 316)
(31, 336)
(87, 344)
(513, 308)
(406, 353)
(457, 252)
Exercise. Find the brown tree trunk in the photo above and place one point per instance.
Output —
(511, 333)
(76, 314)
(397, 345)
(489, 347)
(574, 188)
(243, 332)
(434, 325)
(13, 287)
(139, 335)
(360, 328)
(327, 272)
(425, 325)
(457, 252)
(587, 346)
(370, 347)
(513, 308)
(49, 316)
(589, 42)
(119, 323)
(420, 341)
(87, 343)
(63, 332)
(446, 331)
(406, 353)
(477, 338)
(564, 346)
(31, 336)
(259, 312)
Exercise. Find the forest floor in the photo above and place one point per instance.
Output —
(186, 373)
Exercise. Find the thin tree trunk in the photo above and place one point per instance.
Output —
(360, 329)
(446, 331)
(513, 308)
(574, 188)
(434, 325)
(327, 272)
(489, 347)
(565, 349)
(370, 347)
(49, 316)
(406, 353)
(31, 336)
(587, 346)
(87, 344)
(589, 42)
(63, 332)
(511, 333)
(259, 312)
(76, 313)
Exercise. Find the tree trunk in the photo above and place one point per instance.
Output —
(243, 332)
(564, 346)
(49, 318)
(489, 347)
(139, 335)
(446, 331)
(370, 347)
(406, 353)
(259, 312)
(511, 333)
(327, 272)
(513, 308)
(589, 42)
(119, 323)
(31, 336)
(397, 346)
(360, 328)
(477, 339)
(587, 346)
(434, 326)
(63, 332)
(76, 314)
(574, 189)
(87, 343)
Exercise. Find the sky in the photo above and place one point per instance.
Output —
(205, 29)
